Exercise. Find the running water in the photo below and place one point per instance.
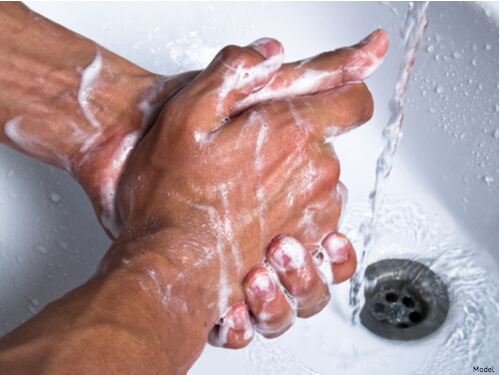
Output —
(412, 31)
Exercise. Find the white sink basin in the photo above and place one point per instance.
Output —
(442, 196)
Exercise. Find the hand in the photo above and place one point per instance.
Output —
(331, 259)
(211, 189)
(298, 272)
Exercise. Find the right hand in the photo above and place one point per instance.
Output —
(332, 259)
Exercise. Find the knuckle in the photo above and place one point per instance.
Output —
(368, 113)
(304, 287)
(360, 94)
(329, 170)
(236, 57)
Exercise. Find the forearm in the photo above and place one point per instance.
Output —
(131, 317)
(56, 85)
(71, 103)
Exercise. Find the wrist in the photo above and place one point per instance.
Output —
(128, 101)
(122, 105)
(174, 282)
(139, 304)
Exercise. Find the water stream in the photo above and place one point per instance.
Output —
(412, 31)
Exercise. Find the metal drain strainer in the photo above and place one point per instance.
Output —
(404, 300)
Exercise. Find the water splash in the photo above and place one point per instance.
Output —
(412, 31)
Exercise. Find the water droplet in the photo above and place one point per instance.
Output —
(12, 194)
(457, 55)
(488, 179)
(41, 249)
(439, 89)
(54, 197)
(430, 49)
(487, 46)
(62, 244)
(495, 134)
(19, 259)
(474, 62)
(33, 300)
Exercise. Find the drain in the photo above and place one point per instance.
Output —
(404, 300)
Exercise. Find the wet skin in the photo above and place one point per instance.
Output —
(236, 156)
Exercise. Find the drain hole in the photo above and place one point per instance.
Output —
(391, 297)
(378, 307)
(408, 302)
(415, 317)
(405, 300)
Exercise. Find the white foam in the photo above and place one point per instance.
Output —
(238, 78)
(363, 70)
(260, 143)
(216, 223)
(87, 139)
(226, 324)
(258, 163)
(148, 107)
(31, 144)
(291, 252)
(313, 80)
(307, 83)
(323, 266)
(228, 229)
(13, 132)
(109, 217)
(90, 77)
(337, 248)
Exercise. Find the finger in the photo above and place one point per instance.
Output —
(234, 330)
(341, 255)
(269, 306)
(233, 74)
(323, 72)
(297, 273)
(332, 112)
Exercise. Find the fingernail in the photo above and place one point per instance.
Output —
(369, 38)
(336, 247)
(241, 319)
(288, 255)
(267, 47)
(263, 287)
